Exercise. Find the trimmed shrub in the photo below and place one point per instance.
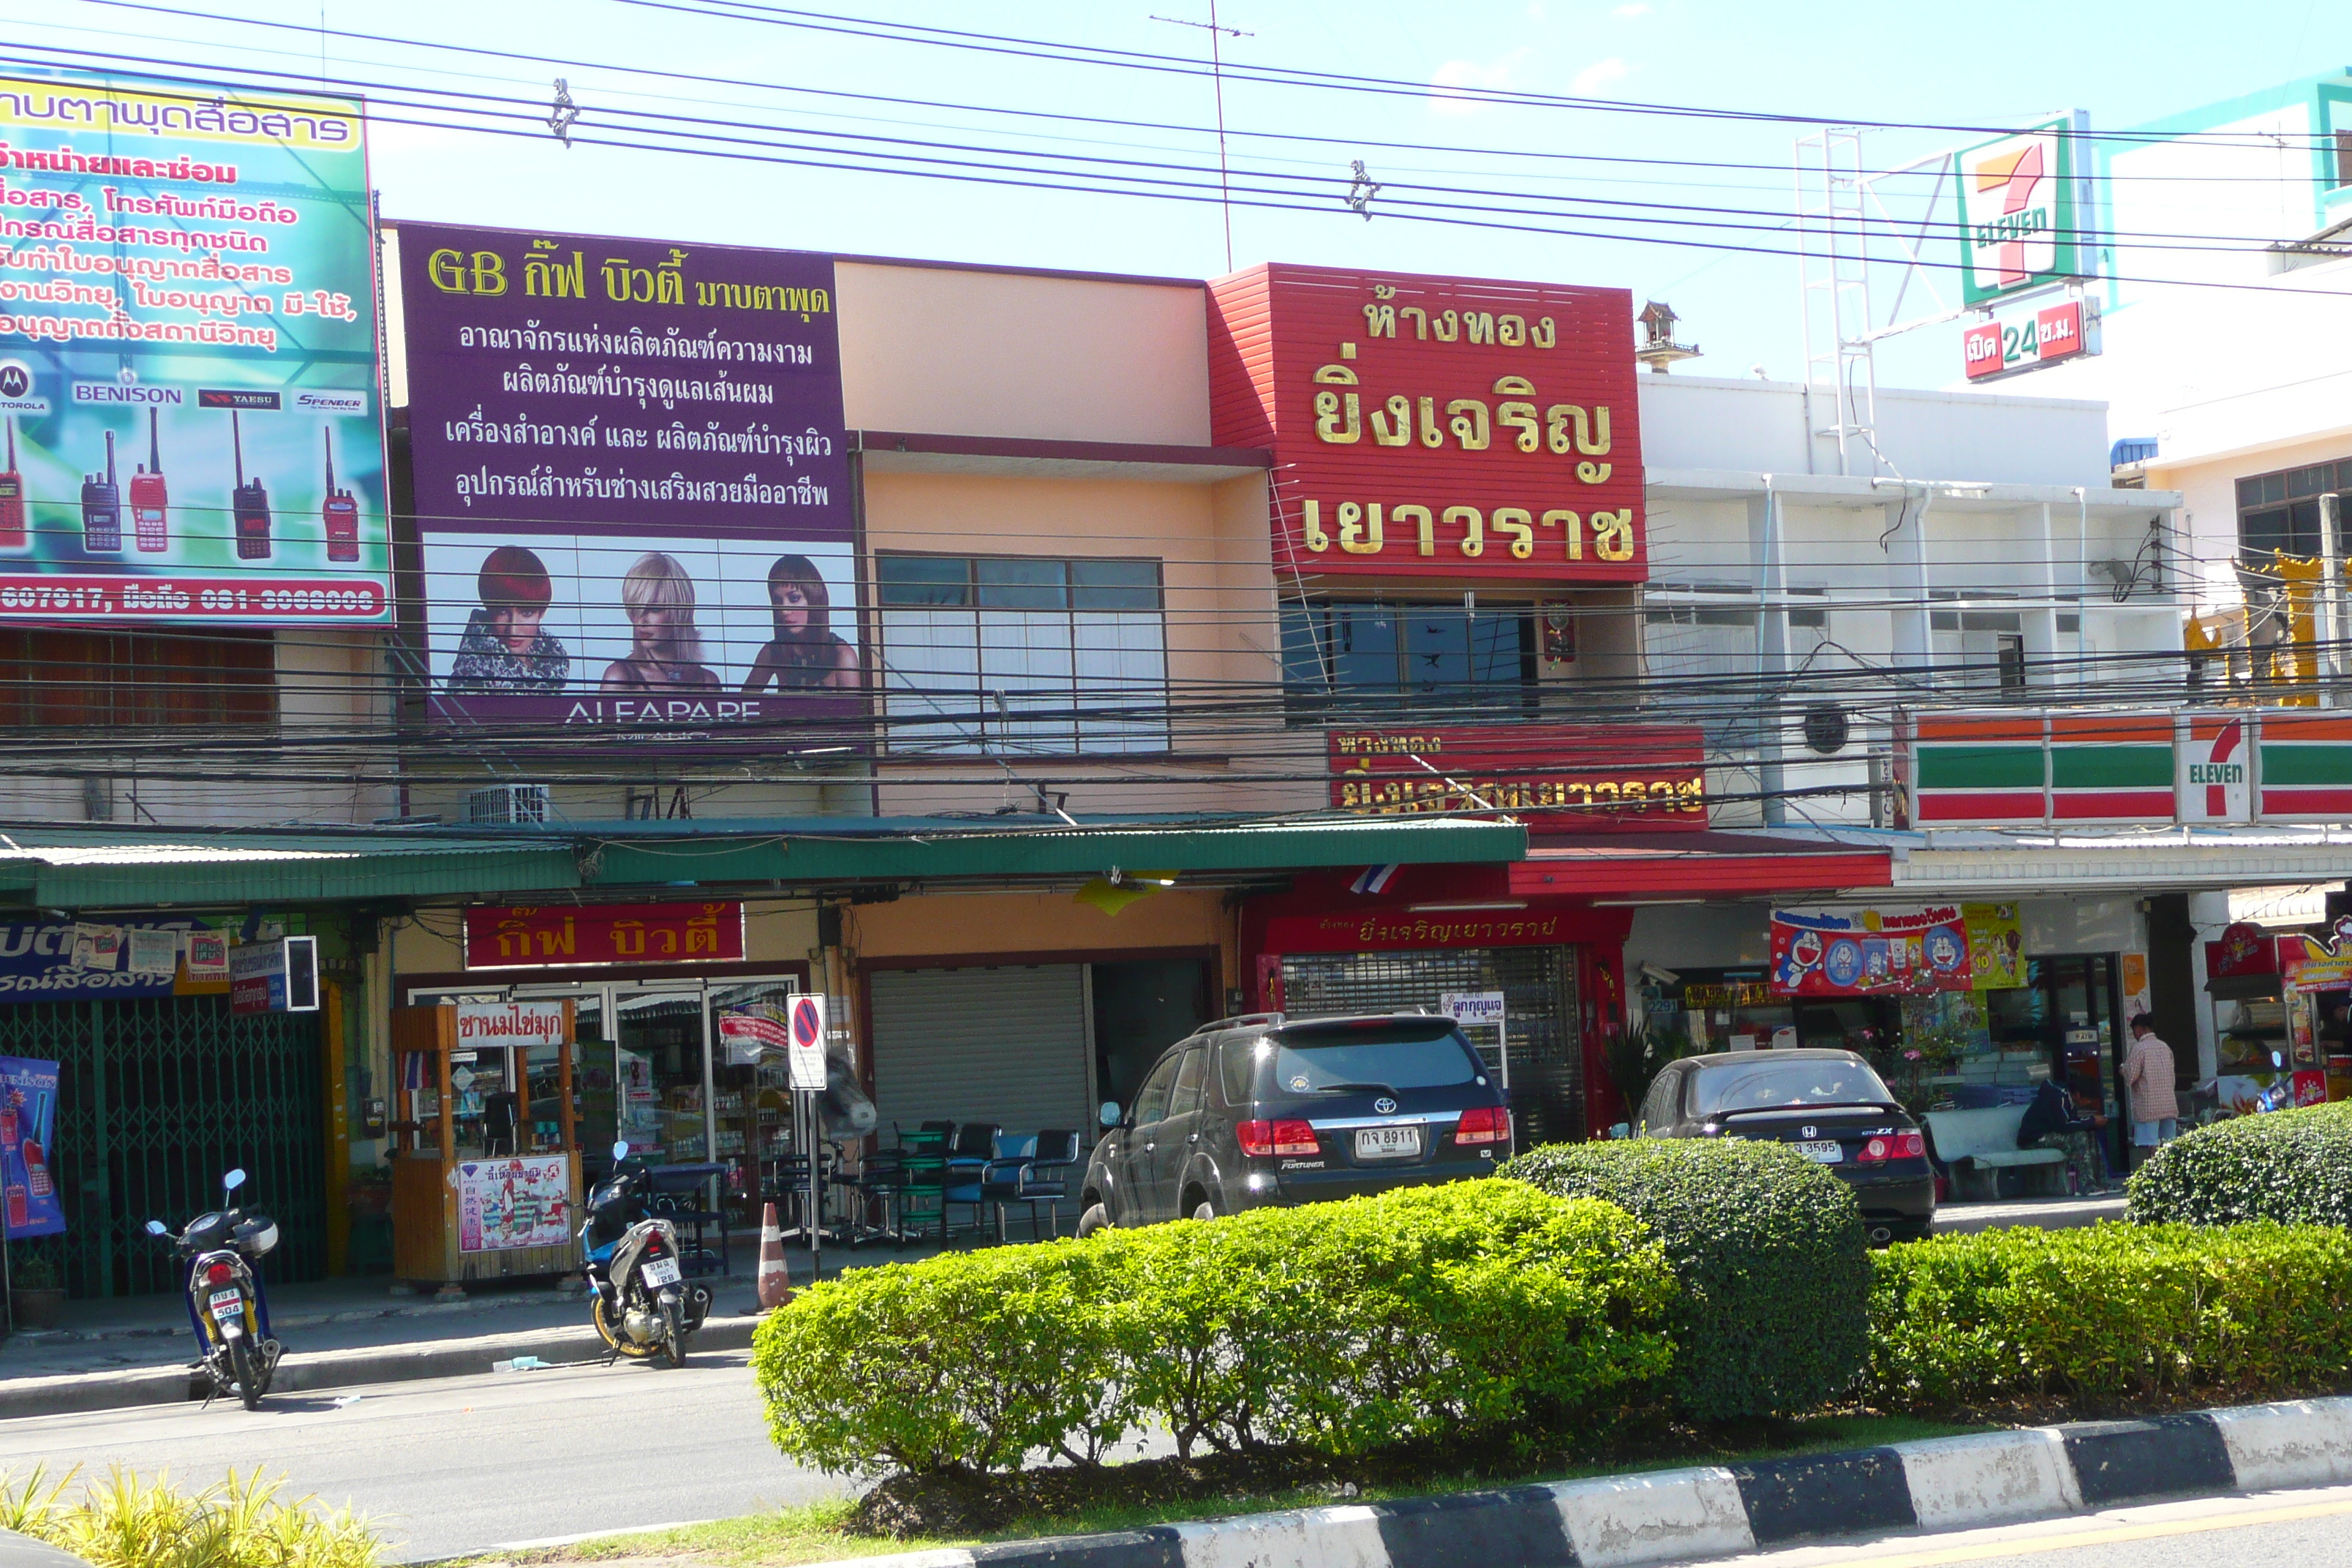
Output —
(2292, 1166)
(1341, 1327)
(1422, 1313)
(2111, 1312)
(1773, 1317)
(125, 1522)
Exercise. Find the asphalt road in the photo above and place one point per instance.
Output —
(460, 1464)
(2304, 1530)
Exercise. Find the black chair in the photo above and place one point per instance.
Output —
(679, 1192)
(1047, 1178)
(970, 1153)
(999, 1178)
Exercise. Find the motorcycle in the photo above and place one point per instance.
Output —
(638, 1297)
(227, 1306)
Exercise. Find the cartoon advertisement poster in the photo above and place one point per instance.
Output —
(28, 1122)
(632, 485)
(525, 1200)
(1860, 953)
(190, 429)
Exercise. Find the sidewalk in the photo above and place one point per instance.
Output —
(349, 1333)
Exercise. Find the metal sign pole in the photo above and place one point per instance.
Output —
(814, 1114)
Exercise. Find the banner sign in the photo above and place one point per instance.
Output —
(1561, 778)
(1991, 350)
(1435, 426)
(564, 936)
(513, 1023)
(29, 1120)
(280, 976)
(632, 478)
(37, 961)
(524, 1200)
(1472, 1009)
(2022, 212)
(187, 357)
(1915, 950)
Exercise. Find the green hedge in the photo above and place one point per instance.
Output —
(2109, 1313)
(2292, 1166)
(1426, 1311)
(1773, 1318)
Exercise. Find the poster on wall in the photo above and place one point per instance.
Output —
(57, 961)
(525, 1200)
(632, 484)
(29, 1120)
(1893, 951)
(187, 357)
(1431, 426)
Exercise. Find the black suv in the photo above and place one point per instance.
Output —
(1252, 1112)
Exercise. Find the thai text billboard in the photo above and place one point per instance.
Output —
(632, 482)
(187, 357)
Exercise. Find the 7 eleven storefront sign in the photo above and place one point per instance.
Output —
(2014, 770)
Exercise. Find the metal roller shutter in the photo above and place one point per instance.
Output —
(1003, 1045)
(1538, 986)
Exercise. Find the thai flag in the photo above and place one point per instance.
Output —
(1374, 879)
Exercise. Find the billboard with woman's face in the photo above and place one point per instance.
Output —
(632, 485)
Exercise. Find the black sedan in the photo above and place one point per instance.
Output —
(1827, 1105)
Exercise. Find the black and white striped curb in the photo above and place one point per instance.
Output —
(1677, 1516)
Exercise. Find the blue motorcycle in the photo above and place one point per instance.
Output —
(226, 1308)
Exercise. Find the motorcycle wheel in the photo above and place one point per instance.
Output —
(612, 1336)
(248, 1379)
(673, 1330)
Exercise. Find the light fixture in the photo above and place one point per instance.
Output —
(1465, 908)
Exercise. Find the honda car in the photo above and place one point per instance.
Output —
(1829, 1106)
(1258, 1110)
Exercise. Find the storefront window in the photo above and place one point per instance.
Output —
(664, 1087)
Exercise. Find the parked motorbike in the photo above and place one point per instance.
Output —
(227, 1306)
(639, 1299)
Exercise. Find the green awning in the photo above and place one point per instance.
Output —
(125, 868)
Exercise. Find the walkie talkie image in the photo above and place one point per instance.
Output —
(340, 513)
(250, 505)
(12, 497)
(101, 508)
(151, 501)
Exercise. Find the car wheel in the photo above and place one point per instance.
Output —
(1096, 1217)
(1204, 1209)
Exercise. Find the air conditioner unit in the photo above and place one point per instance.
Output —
(502, 805)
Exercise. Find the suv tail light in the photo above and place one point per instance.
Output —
(1484, 1124)
(220, 1274)
(1261, 1139)
(1892, 1146)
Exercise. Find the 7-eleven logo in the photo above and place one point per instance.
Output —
(2214, 782)
(2008, 191)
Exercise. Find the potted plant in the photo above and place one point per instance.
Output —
(36, 1298)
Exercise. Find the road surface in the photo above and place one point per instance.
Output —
(460, 1464)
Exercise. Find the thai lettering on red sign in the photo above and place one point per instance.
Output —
(1559, 778)
(548, 936)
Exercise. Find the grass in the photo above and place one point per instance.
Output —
(819, 1532)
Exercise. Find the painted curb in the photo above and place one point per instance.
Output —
(78, 1393)
(1681, 1516)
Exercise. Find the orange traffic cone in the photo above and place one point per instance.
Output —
(775, 1284)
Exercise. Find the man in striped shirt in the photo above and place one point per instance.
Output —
(2148, 1080)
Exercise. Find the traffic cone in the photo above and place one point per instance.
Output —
(775, 1284)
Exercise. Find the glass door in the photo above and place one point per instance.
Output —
(751, 1103)
(663, 1075)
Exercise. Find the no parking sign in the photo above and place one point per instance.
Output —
(805, 1052)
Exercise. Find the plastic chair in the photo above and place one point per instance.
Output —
(999, 1178)
(1047, 1178)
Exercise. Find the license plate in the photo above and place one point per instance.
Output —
(229, 1301)
(1387, 1142)
(661, 1271)
(1826, 1152)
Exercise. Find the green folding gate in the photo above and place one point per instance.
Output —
(155, 1099)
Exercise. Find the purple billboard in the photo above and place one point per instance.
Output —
(632, 485)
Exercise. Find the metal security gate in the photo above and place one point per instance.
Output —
(1538, 986)
(1006, 1045)
(155, 1099)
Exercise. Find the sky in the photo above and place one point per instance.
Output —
(1967, 68)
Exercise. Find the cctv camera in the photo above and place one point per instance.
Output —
(1662, 976)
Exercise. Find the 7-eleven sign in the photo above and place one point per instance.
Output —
(2216, 762)
(2020, 216)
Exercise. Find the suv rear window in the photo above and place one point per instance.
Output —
(1394, 1057)
(1766, 1085)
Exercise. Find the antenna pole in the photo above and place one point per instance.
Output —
(328, 436)
(154, 441)
(237, 444)
(1217, 76)
(110, 457)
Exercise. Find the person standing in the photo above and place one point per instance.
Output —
(2148, 1080)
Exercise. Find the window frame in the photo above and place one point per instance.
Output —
(1313, 692)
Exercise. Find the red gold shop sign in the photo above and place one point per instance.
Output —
(555, 936)
(1435, 426)
(1559, 778)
